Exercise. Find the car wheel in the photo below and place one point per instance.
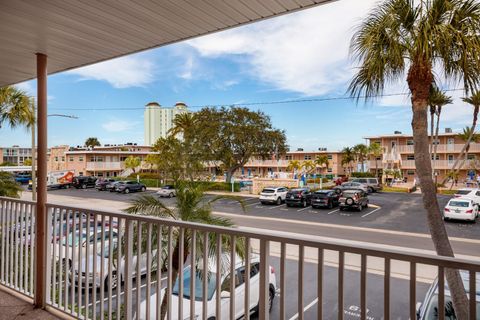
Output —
(366, 205)
(84, 186)
(289, 205)
(279, 201)
(342, 208)
(370, 190)
(143, 189)
(304, 203)
(170, 195)
(360, 208)
(127, 190)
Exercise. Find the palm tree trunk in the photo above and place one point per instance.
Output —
(424, 170)
(435, 146)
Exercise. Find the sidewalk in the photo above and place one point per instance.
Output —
(12, 307)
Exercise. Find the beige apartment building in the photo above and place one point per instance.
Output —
(105, 161)
(399, 154)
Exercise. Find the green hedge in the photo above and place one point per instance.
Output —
(362, 175)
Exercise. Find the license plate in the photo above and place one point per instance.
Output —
(457, 211)
(292, 197)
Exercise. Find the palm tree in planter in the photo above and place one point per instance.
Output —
(375, 150)
(192, 207)
(409, 37)
(294, 166)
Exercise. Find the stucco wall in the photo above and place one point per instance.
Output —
(260, 183)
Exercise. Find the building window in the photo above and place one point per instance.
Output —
(63, 159)
(329, 170)
(471, 157)
(56, 159)
(437, 157)
(410, 157)
(288, 157)
(307, 157)
(80, 158)
(409, 142)
(410, 172)
(80, 173)
(330, 157)
(123, 158)
(71, 158)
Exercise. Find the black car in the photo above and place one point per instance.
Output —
(325, 198)
(353, 199)
(129, 186)
(298, 197)
(84, 182)
(101, 184)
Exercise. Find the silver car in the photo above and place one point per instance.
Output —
(167, 191)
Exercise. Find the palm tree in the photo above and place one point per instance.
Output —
(15, 107)
(468, 136)
(411, 37)
(375, 150)
(322, 161)
(347, 158)
(294, 165)
(8, 186)
(308, 165)
(182, 123)
(361, 151)
(192, 207)
(437, 99)
(132, 162)
(92, 142)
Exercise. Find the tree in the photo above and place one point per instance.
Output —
(8, 186)
(406, 36)
(92, 142)
(294, 166)
(361, 151)
(183, 124)
(15, 107)
(132, 163)
(437, 99)
(309, 166)
(27, 162)
(468, 136)
(348, 157)
(375, 150)
(192, 207)
(321, 160)
(234, 135)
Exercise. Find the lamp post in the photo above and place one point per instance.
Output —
(34, 176)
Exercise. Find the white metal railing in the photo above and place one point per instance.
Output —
(266, 163)
(441, 164)
(442, 148)
(106, 265)
(105, 166)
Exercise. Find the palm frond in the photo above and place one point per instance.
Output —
(150, 205)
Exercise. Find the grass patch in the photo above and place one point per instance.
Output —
(396, 189)
(447, 192)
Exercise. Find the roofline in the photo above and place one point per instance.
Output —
(407, 135)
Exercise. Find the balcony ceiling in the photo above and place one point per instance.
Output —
(75, 33)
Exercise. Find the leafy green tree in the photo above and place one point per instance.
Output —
(8, 186)
(7, 164)
(409, 37)
(322, 161)
(191, 206)
(234, 135)
(92, 142)
(16, 107)
(375, 150)
(361, 152)
(132, 163)
(27, 162)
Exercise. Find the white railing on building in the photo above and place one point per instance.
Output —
(97, 166)
(96, 260)
(442, 148)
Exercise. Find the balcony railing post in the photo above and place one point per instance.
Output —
(128, 268)
(48, 260)
(264, 279)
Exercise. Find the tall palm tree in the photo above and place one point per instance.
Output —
(437, 99)
(468, 137)
(308, 165)
(190, 206)
(347, 158)
(410, 37)
(294, 165)
(321, 160)
(182, 124)
(375, 150)
(92, 142)
(16, 107)
(361, 152)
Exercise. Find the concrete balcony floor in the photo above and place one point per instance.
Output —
(12, 307)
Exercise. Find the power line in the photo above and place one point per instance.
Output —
(247, 103)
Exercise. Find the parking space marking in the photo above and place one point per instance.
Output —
(333, 211)
(311, 304)
(251, 204)
(371, 212)
(276, 206)
(303, 209)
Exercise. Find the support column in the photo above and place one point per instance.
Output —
(41, 214)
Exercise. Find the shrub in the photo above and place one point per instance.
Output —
(363, 175)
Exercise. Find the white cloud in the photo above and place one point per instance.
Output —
(305, 52)
(119, 125)
(129, 71)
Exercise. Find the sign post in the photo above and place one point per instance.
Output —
(232, 181)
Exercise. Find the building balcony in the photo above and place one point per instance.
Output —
(439, 164)
(442, 148)
(79, 275)
(104, 166)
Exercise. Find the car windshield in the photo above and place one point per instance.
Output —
(463, 192)
(321, 194)
(432, 309)
(198, 285)
(461, 204)
(268, 191)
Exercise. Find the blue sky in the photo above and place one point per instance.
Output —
(297, 56)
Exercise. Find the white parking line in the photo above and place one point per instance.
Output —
(303, 209)
(371, 212)
(276, 207)
(311, 304)
(333, 211)
(251, 204)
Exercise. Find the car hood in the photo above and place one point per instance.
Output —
(174, 307)
(99, 262)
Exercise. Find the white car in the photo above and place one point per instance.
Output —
(461, 209)
(167, 191)
(211, 298)
(469, 193)
(273, 195)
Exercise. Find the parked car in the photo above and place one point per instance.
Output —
(428, 309)
(101, 184)
(461, 209)
(226, 291)
(351, 185)
(373, 185)
(129, 186)
(84, 182)
(325, 198)
(111, 186)
(469, 193)
(167, 191)
(273, 195)
(353, 199)
(298, 197)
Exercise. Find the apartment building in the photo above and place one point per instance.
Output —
(105, 161)
(15, 155)
(399, 154)
(159, 120)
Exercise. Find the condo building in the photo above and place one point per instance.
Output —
(398, 154)
(159, 120)
(15, 155)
